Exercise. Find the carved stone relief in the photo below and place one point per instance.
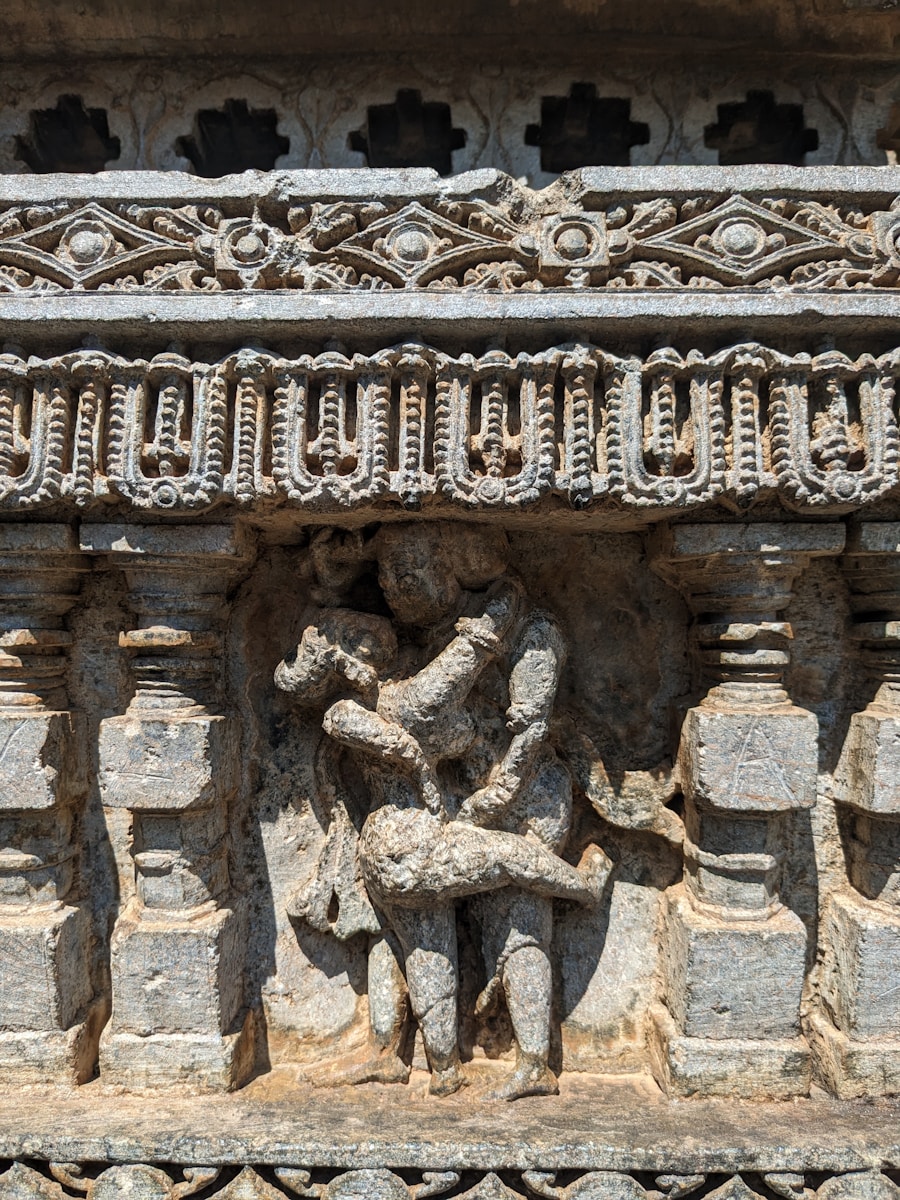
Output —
(399, 726)
(707, 242)
(335, 431)
(60, 1180)
(320, 105)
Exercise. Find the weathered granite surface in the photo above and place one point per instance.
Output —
(435, 675)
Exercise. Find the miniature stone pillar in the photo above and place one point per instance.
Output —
(177, 958)
(50, 1019)
(734, 956)
(855, 1031)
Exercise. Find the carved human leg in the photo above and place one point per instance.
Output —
(411, 858)
(734, 956)
(428, 939)
(517, 929)
(50, 1019)
(177, 957)
(855, 1029)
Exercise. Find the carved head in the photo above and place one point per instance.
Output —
(342, 646)
(423, 567)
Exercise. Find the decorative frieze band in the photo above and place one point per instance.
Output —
(55, 1181)
(334, 432)
(725, 240)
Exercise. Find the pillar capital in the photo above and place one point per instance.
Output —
(737, 581)
(179, 578)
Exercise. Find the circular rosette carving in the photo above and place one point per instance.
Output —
(412, 244)
(87, 243)
(366, 1185)
(574, 243)
(742, 239)
(246, 253)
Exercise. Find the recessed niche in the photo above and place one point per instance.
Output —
(233, 138)
(409, 133)
(585, 130)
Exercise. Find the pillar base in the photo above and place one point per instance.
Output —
(852, 1070)
(742, 1068)
(860, 939)
(177, 1015)
(56, 1056)
(206, 1062)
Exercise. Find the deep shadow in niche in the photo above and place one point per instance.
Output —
(584, 130)
(409, 133)
(232, 139)
(757, 130)
(69, 137)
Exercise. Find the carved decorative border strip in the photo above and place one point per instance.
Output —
(725, 240)
(55, 1181)
(333, 432)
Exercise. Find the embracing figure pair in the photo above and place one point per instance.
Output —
(447, 728)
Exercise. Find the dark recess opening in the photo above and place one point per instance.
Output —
(409, 133)
(68, 137)
(757, 130)
(582, 130)
(888, 138)
(232, 139)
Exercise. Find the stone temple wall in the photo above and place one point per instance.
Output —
(450, 636)
(529, 115)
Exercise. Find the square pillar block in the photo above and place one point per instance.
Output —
(761, 760)
(177, 999)
(856, 1032)
(38, 763)
(868, 773)
(733, 992)
(48, 1016)
(166, 764)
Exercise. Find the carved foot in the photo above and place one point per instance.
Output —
(384, 1068)
(530, 1078)
(447, 1080)
(595, 867)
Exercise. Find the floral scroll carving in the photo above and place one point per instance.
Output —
(708, 242)
(56, 1181)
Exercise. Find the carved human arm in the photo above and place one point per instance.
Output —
(636, 800)
(445, 683)
(361, 729)
(538, 660)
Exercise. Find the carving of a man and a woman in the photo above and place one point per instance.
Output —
(437, 718)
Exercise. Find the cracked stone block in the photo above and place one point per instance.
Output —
(750, 760)
(734, 979)
(42, 965)
(172, 763)
(38, 767)
(860, 983)
(868, 773)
